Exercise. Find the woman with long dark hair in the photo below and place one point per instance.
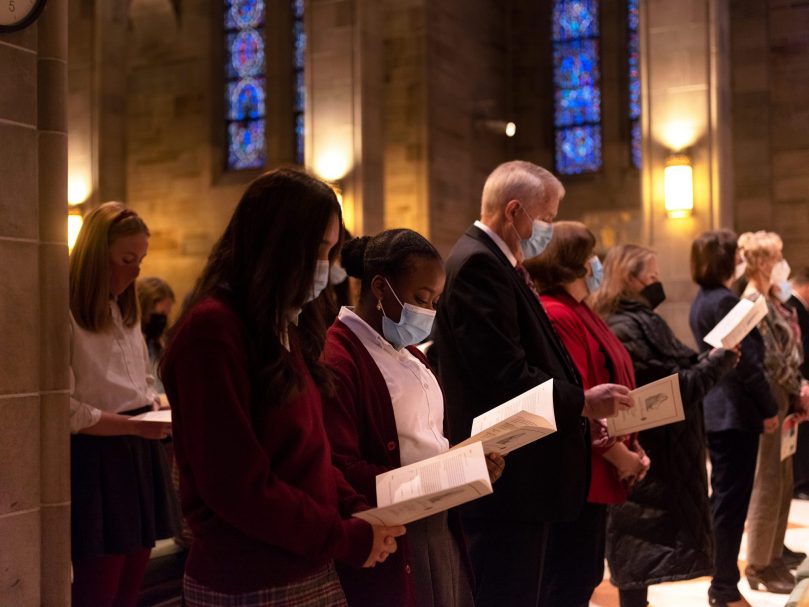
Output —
(268, 510)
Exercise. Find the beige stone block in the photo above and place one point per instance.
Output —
(19, 317)
(18, 194)
(791, 189)
(52, 95)
(53, 188)
(18, 73)
(788, 21)
(790, 163)
(53, 28)
(53, 317)
(55, 448)
(20, 560)
(19, 454)
(55, 565)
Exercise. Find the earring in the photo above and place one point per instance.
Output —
(379, 305)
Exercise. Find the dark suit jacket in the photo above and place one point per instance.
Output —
(803, 323)
(495, 342)
(742, 398)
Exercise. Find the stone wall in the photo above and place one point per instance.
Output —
(34, 431)
(770, 84)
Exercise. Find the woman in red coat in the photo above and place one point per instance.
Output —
(388, 411)
(565, 274)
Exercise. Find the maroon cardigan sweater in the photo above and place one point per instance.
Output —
(257, 485)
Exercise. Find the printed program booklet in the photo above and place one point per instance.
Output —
(430, 486)
(734, 327)
(656, 404)
(515, 423)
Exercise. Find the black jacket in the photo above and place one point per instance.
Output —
(494, 342)
(803, 322)
(742, 398)
(663, 532)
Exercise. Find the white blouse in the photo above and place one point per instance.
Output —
(418, 404)
(109, 371)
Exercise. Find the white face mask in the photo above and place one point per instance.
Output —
(741, 268)
(779, 278)
(321, 279)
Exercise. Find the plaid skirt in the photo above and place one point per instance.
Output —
(321, 589)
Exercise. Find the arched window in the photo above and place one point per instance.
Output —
(245, 84)
(576, 77)
(246, 77)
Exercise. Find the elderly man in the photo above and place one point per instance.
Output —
(494, 342)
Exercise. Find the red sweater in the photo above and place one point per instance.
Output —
(266, 506)
(600, 358)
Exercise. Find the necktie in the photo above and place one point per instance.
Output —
(527, 278)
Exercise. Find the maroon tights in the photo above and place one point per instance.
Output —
(111, 580)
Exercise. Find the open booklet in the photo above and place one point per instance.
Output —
(656, 404)
(515, 423)
(430, 486)
(163, 416)
(737, 323)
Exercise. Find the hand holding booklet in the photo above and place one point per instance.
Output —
(162, 416)
(734, 327)
(430, 486)
(515, 423)
(656, 404)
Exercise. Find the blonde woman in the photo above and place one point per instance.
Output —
(662, 533)
(122, 502)
(767, 272)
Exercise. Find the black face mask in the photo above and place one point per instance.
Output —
(654, 294)
(153, 329)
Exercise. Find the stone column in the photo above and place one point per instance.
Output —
(34, 457)
(344, 113)
(685, 80)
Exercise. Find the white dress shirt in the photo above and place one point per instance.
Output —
(498, 241)
(109, 371)
(418, 404)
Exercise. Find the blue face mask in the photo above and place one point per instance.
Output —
(595, 279)
(414, 325)
(541, 233)
(321, 279)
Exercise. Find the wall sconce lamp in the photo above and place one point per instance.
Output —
(498, 127)
(679, 186)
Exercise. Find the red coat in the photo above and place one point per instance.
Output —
(257, 484)
(600, 358)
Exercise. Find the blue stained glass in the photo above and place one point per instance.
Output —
(299, 37)
(245, 99)
(299, 138)
(575, 19)
(297, 9)
(576, 106)
(300, 92)
(576, 64)
(246, 145)
(578, 149)
(246, 50)
(634, 76)
(636, 144)
(634, 15)
(241, 14)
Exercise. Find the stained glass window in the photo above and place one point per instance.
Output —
(245, 88)
(634, 81)
(299, 82)
(576, 78)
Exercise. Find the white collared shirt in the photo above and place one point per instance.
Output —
(498, 241)
(418, 404)
(109, 371)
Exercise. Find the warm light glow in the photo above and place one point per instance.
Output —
(679, 186)
(74, 222)
(78, 189)
(511, 129)
(679, 134)
(332, 165)
(338, 191)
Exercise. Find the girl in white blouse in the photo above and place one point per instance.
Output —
(121, 500)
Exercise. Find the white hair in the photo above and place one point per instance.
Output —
(517, 180)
